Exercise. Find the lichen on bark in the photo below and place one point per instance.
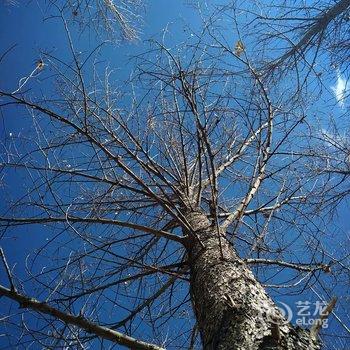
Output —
(232, 308)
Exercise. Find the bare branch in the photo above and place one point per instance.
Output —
(79, 321)
(158, 233)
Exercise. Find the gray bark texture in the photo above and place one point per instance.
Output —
(233, 310)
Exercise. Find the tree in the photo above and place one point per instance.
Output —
(109, 17)
(172, 194)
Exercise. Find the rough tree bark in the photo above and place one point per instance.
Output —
(232, 309)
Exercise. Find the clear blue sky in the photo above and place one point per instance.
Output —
(23, 26)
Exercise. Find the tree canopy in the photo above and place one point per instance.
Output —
(153, 202)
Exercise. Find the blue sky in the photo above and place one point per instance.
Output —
(25, 31)
(23, 26)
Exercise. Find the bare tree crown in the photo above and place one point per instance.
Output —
(160, 197)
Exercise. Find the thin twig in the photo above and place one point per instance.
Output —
(8, 271)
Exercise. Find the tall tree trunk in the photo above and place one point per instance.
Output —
(232, 309)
